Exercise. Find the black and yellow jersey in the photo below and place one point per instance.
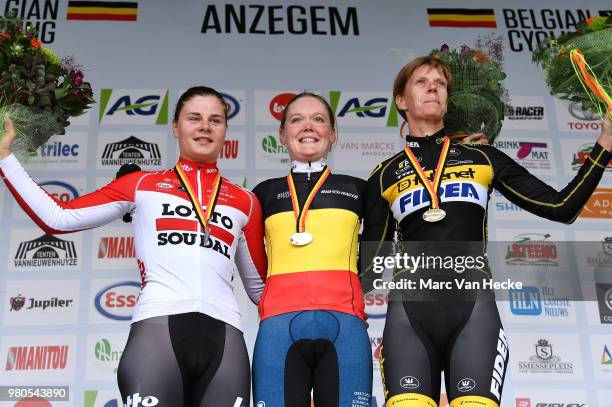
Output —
(395, 198)
(323, 274)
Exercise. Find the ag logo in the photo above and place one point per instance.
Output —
(279, 103)
(17, 302)
(125, 106)
(466, 384)
(409, 382)
(363, 108)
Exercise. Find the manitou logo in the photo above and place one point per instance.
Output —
(116, 248)
(134, 400)
(37, 357)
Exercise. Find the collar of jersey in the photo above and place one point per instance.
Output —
(436, 139)
(308, 166)
(188, 165)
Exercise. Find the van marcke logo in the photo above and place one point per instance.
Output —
(131, 150)
(117, 300)
(531, 249)
(604, 300)
(363, 108)
(46, 251)
(545, 361)
(123, 106)
(116, 247)
(37, 357)
(104, 352)
(599, 205)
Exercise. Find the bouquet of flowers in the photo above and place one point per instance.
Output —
(477, 98)
(589, 84)
(38, 90)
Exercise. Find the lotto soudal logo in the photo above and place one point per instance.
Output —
(524, 112)
(136, 400)
(580, 156)
(46, 357)
(18, 302)
(279, 103)
(604, 300)
(409, 382)
(131, 150)
(545, 361)
(122, 106)
(46, 251)
(526, 28)
(116, 247)
(104, 353)
(532, 249)
(599, 205)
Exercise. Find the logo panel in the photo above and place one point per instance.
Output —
(546, 357)
(362, 152)
(148, 150)
(599, 205)
(60, 152)
(29, 251)
(575, 152)
(270, 154)
(269, 106)
(133, 106)
(233, 152)
(113, 300)
(103, 355)
(572, 118)
(525, 113)
(364, 109)
(536, 155)
(47, 302)
(114, 248)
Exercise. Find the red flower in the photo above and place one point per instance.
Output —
(35, 43)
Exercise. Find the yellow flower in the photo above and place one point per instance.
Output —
(50, 55)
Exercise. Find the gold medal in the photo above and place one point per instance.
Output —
(434, 215)
(300, 239)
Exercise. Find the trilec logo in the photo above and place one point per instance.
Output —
(116, 247)
(117, 301)
(46, 357)
(279, 103)
(133, 106)
(60, 190)
(135, 400)
(56, 149)
(233, 106)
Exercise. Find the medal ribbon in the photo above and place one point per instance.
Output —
(300, 214)
(203, 216)
(431, 186)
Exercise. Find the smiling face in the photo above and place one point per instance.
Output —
(425, 96)
(200, 128)
(307, 131)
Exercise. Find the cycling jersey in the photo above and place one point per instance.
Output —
(181, 270)
(424, 336)
(323, 274)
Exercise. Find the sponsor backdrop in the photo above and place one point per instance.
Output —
(66, 300)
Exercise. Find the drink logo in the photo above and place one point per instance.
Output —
(279, 103)
(409, 382)
(46, 251)
(604, 300)
(466, 384)
(131, 150)
(133, 107)
(545, 361)
(599, 205)
(17, 302)
(532, 249)
(533, 155)
(37, 357)
(117, 301)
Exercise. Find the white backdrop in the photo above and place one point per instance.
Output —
(347, 51)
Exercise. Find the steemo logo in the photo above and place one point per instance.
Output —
(104, 352)
(270, 145)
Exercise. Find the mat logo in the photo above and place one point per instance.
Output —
(363, 109)
(123, 106)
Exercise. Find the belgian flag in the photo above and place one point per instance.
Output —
(461, 17)
(102, 10)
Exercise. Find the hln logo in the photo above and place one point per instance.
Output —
(526, 301)
(127, 106)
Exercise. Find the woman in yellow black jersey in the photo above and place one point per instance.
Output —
(312, 336)
(437, 191)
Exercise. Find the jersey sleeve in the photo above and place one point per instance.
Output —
(251, 254)
(378, 227)
(528, 192)
(85, 212)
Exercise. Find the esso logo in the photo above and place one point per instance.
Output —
(279, 103)
(376, 304)
(233, 107)
(117, 301)
(59, 190)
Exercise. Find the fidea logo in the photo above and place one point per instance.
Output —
(124, 106)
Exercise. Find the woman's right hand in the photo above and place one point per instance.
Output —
(7, 141)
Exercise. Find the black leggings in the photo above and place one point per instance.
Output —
(189, 360)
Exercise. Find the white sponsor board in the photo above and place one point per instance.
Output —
(33, 250)
(103, 352)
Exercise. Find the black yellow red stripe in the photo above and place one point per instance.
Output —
(102, 10)
(461, 17)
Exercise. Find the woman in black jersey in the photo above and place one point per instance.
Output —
(437, 191)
